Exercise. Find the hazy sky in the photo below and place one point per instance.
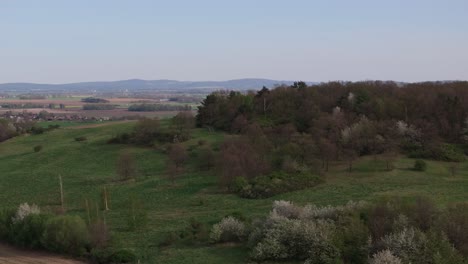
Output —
(57, 41)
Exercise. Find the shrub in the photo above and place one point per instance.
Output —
(422, 213)
(25, 210)
(228, 230)
(277, 183)
(123, 138)
(194, 232)
(169, 239)
(454, 223)
(28, 232)
(420, 165)
(380, 219)
(123, 256)
(206, 158)
(409, 245)
(99, 235)
(311, 212)
(6, 221)
(287, 209)
(353, 239)
(441, 250)
(37, 148)
(283, 239)
(66, 234)
(384, 257)
(37, 130)
(79, 139)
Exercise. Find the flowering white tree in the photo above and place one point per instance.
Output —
(24, 210)
(385, 257)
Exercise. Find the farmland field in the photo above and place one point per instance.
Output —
(87, 167)
(74, 106)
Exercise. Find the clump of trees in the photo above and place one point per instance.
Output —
(158, 107)
(10, 128)
(149, 131)
(94, 100)
(390, 231)
(99, 107)
(22, 106)
(7, 130)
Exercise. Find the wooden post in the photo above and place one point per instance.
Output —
(105, 199)
(61, 194)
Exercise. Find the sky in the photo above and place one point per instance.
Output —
(59, 41)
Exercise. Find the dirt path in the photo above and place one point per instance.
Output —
(9, 255)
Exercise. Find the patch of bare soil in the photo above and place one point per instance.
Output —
(10, 255)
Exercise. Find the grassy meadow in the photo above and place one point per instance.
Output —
(89, 166)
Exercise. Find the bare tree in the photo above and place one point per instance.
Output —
(176, 159)
(126, 167)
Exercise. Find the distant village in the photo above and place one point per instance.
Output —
(47, 116)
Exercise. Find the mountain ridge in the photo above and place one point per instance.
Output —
(145, 85)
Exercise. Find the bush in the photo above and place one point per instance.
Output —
(29, 231)
(420, 165)
(287, 209)
(169, 239)
(37, 148)
(6, 221)
(228, 230)
(24, 210)
(79, 139)
(441, 250)
(66, 234)
(123, 256)
(99, 235)
(454, 223)
(283, 239)
(37, 130)
(194, 232)
(409, 245)
(206, 158)
(277, 183)
(443, 152)
(353, 239)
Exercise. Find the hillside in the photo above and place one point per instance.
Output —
(87, 167)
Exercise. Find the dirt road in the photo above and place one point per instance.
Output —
(9, 255)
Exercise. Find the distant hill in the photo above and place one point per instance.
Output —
(136, 85)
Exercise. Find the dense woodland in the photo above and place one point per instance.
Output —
(298, 129)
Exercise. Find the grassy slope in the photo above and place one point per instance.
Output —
(88, 166)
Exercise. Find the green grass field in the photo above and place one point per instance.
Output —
(86, 167)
